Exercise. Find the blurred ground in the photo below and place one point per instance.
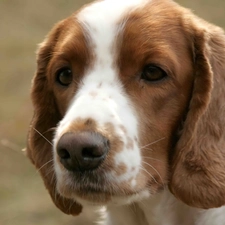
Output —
(23, 24)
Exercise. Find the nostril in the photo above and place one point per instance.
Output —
(63, 154)
(91, 152)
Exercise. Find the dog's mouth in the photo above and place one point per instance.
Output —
(95, 187)
(94, 193)
(90, 183)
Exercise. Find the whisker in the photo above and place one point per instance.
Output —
(152, 143)
(50, 129)
(155, 171)
(50, 170)
(42, 136)
(45, 165)
(149, 174)
(146, 157)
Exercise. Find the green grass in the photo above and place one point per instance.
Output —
(24, 23)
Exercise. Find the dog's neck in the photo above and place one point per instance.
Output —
(162, 209)
(165, 209)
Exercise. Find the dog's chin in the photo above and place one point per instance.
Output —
(115, 200)
(98, 197)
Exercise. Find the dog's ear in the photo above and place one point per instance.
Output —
(45, 118)
(198, 163)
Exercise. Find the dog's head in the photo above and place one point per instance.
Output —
(129, 98)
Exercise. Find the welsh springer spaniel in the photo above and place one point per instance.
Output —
(129, 125)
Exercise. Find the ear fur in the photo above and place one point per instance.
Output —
(46, 116)
(198, 164)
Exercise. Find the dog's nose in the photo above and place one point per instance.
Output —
(82, 151)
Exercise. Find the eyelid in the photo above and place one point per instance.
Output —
(56, 64)
(59, 70)
(162, 67)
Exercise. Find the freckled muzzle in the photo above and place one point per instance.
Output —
(96, 150)
(82, 151)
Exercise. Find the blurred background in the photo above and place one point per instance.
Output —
(24, 24)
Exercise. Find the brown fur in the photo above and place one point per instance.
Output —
(184, 115)
(198, 165)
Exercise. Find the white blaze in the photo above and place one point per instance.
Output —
(110, 104)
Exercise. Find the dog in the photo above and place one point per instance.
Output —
(129, 124)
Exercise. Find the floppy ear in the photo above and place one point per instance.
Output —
(198, 163)
(46, 116)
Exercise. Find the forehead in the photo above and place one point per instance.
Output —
(104, 20)
(107, 16)
(103, 13)
(128, 29)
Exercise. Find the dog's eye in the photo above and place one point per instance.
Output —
(153, 73)
(64, 77)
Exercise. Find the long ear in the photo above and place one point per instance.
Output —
(46, 117)
(198, 163)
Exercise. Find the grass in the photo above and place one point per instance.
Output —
(24, 23)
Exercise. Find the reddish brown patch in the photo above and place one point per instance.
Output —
(123, 129)
(115, 141)
(120, 169)
(93, 94)
(116, 146)
(130, 143)
(79, 125)
(100, 85)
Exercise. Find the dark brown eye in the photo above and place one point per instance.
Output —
(153, 73)
(64, 77)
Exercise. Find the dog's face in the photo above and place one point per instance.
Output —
(124, 85)
(131, 88)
